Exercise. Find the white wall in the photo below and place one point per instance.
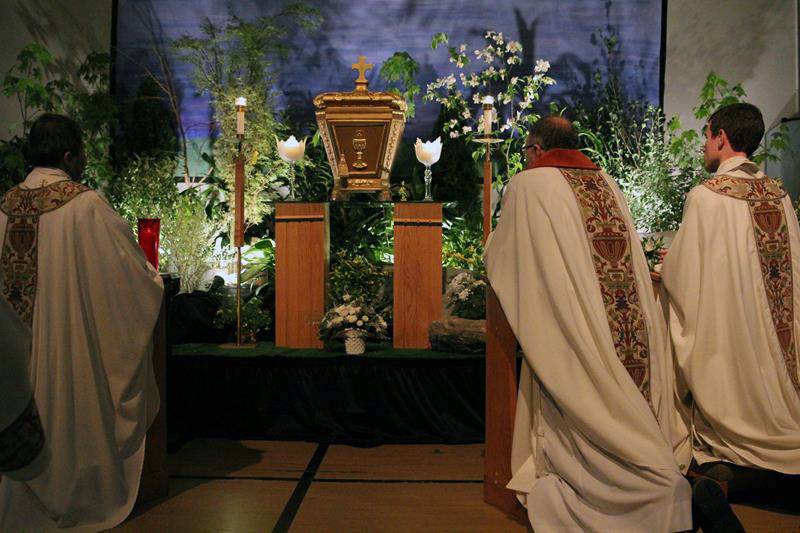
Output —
(752, 42)
(749, 41)
(70, 29)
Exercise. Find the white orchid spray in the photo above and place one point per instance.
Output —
(515, 93)
(466, 296)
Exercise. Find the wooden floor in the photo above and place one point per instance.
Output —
(243, 486)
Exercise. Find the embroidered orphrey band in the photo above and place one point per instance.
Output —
(611, 253)
(23, 440)
(764, 197)
(18, 258)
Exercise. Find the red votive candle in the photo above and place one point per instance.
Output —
(148, 239)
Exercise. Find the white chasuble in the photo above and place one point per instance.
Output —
(72, 270)
(591, 448)
(732, 279)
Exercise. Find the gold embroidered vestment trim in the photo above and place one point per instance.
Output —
(610, 247)
(19, 255)
(764, 197)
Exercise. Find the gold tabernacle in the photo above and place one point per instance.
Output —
(361, 131)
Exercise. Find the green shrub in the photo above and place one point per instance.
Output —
(359, 279)
(240, 58)
(89, 102)
(146, 188)
(188, 237)
(462, 244)
(255, 319)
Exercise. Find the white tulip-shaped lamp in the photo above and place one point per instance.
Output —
(291, 150)
(428, 153)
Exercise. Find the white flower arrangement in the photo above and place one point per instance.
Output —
(467, 296)
(352, 315)
(515, 92)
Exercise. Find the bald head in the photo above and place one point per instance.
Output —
(554, 132)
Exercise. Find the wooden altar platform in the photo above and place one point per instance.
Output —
(386, 395)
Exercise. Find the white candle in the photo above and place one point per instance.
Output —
(488, 115)
(241, 103)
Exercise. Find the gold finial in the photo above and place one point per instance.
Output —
(344, 171)
(362, 67)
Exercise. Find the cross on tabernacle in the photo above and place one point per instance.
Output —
(362, 67)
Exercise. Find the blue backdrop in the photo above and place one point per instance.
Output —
(561, 31)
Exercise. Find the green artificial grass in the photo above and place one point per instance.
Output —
(268, 349)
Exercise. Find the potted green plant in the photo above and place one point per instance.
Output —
(255, 318)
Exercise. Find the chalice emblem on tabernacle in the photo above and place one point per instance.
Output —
(359, 144)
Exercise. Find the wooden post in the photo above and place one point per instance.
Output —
(238, 236)
(487, 193)
(501, 404)
(155, 478)
(501, 385)
(301, 273)
(417, 272)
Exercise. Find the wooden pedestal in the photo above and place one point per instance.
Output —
(417, 272)
(301, 271)
(155, 478)
(501, 404)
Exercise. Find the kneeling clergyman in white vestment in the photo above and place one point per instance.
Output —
(734, 297)
(591, 450)
(74, 274)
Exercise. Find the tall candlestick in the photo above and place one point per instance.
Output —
(238, 230)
